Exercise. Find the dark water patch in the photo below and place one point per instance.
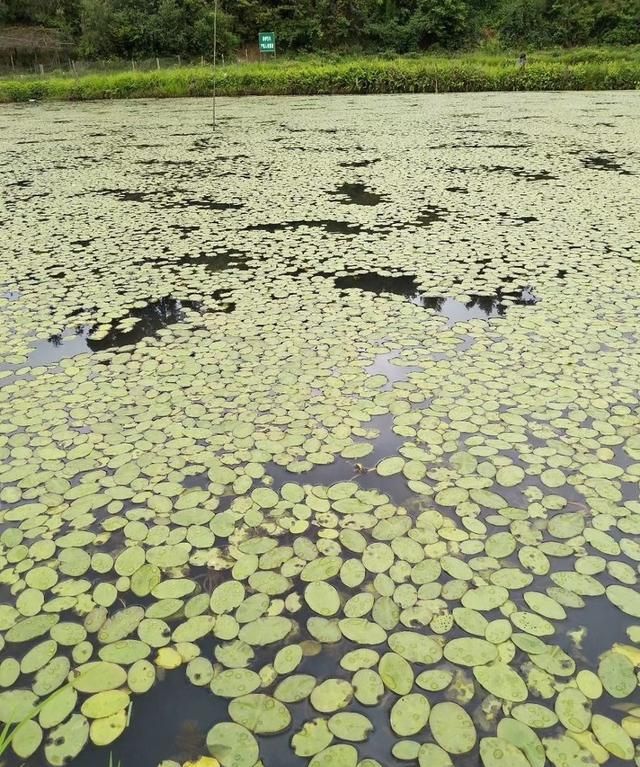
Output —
(21, 184)
(71, 342)
(430, 215)
(11, 295)
(508, 219)
(477, 307)
(605, 162)
(372, 282)
(457, 189)
(184, 230)
(171, 721)
(384, 365)
(330, 226)
(225, 157)
(359, 163)
(221, 261)
(493, 146)
(83, 243)
(527, 175)
(205, 202)
(152, 318)
(357, 194)
(360, 470)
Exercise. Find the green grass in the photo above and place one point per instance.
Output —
(582, 69)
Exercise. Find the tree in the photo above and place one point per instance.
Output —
(522, 21)
(441, 22)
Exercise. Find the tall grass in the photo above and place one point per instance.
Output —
(473, 72)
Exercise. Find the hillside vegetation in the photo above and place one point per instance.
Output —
(130, 28)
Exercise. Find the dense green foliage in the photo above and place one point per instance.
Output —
(351, 76)
(122, 28)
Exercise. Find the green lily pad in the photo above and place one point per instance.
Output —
(434, 680)
(98, 677)
(105, 730)
(295, 688)
(362, 631)
(232, 745)
(288, 659)
(498, 752)
(331, 695)
(396, 673)
(534, 715)
(322, 598)
(410, 714)
(390, 466)
(452, 728)
(265, 631)
(470, 651)
(27, 739)
(313, 738)
(235, 682)
(31, 628)
(368, 687)
(612, 737)
(350, 726)
(431, 755)
(524, 738)
(67, 741)
(617, 674)
(141, 676)
(341, 755)
(502, 681)
(16, 705)
(415, 647)
(625, 599)
(260, 714)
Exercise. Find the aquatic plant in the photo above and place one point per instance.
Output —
(384, 476)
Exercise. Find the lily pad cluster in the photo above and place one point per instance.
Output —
(375, 536)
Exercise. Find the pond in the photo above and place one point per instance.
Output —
(319, 434)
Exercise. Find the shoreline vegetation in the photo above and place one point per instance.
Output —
(586, 69)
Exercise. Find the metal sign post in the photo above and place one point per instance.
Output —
(215, 55)
(267, 42)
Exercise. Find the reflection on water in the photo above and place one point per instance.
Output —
(155, 316)
(477, 307)
(372, 282)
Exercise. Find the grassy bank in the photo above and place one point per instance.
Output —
(472, 72)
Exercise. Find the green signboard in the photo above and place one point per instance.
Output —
(267, 42)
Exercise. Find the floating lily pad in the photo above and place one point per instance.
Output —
(67, 741)
(313, 738)
(260, 714)
(410, 714)
(350, 726)
(452, 728)
(498, 752)
(336, 756)
(232, 745)
(502, 681)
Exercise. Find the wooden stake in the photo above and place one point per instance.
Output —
(215, 51)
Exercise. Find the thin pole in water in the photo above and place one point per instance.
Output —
(215, 50)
